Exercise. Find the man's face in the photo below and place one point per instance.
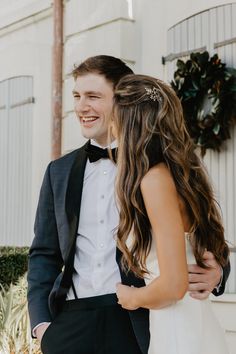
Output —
(93, 100)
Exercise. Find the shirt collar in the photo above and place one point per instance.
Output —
(113, 145)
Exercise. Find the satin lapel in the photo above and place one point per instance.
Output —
(128, 278)
(74, 193)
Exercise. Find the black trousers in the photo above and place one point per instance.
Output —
(96, 325)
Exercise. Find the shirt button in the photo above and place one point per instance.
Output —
(99, 265)
(102, 196)
(101, 221)
(104, 172)
(101, 245)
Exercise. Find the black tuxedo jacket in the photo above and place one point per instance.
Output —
(52, 252)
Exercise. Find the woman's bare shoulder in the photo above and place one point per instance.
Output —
(159, 176)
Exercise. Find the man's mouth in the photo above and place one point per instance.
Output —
(88, 119)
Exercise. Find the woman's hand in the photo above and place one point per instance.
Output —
(127, 296)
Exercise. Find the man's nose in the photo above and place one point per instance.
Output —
(82, 105)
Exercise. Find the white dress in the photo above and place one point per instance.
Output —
(187, 327)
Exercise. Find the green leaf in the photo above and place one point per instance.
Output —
(216, 128)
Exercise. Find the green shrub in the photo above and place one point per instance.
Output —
(13, 264)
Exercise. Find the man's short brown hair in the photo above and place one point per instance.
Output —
(113, 69)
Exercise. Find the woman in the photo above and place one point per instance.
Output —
(168, 217)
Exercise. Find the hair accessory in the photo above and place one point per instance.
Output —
(154, 94)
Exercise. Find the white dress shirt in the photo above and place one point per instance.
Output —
(96, 270)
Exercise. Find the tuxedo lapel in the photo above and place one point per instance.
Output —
(128, 278)
(72, 207)
(74, 189)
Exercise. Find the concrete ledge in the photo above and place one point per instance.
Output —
(225, 298)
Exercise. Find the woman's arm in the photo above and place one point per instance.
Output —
(163, 209)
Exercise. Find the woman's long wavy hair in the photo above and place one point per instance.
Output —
(147, 127)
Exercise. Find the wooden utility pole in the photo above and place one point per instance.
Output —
(57, 65)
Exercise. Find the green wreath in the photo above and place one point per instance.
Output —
(207, 90)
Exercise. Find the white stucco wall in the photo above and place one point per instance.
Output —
(25, 49)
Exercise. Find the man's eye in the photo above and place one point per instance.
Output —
(76, 96)
(93, 96)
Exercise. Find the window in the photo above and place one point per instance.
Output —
(15, 160)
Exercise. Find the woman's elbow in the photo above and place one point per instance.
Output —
(179, 289)
(180, 292)
(182, 287)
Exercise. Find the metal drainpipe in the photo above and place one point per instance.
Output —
(57, 66)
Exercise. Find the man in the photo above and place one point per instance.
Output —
(73, 256)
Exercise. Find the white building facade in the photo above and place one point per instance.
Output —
(142, 33)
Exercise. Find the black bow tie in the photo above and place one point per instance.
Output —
(96, 153)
